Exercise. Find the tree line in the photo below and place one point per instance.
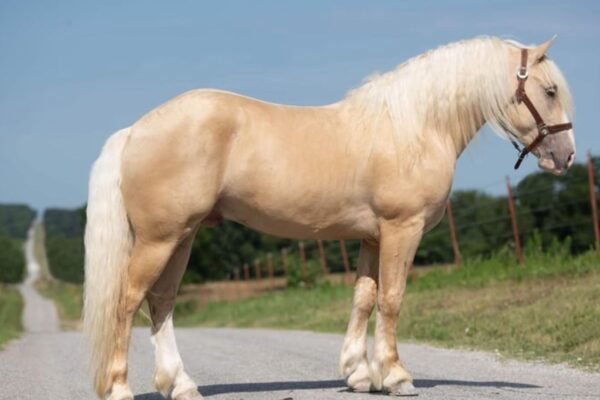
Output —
(553, 208)
(15, 220)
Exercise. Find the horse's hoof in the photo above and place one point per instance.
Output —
(363, 386)
(405, 388)
(120, 393)
(360, 380)
(191, 394)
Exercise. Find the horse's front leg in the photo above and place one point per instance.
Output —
(399, 242)
(354, 365)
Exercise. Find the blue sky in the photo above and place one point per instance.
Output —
(73, 72)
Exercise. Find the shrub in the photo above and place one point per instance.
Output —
(64, 243)
(65, 258)
(15, 220)
(297, 278)
(12, 260)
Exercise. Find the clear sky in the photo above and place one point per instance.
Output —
(73, 72)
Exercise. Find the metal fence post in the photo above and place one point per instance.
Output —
(270, 267)
(513, 220)
(453, 237)
(302, 260)
(592, 187)
(284, 261)
(246, 272)
(257, 269)
(345, 260)
(322, 258)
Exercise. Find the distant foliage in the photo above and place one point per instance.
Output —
(15, 220)
(299, 278)
(217, 252)
(12, 260)
(554, 209)
(67, 223)
(64, 243)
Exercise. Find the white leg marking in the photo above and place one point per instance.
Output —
(169, 367)
(120, 392)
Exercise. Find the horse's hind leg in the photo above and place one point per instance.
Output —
(148, 260)
(170, 376)
(354, 365)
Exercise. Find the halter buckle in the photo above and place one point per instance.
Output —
(544, 131)
(522, 73)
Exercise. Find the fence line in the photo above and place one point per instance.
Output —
(516, 211)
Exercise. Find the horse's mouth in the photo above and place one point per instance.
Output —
(549, 165)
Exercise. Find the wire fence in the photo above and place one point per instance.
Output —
(473, 225)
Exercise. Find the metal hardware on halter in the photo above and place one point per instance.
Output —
(543, 129)
(522, 73)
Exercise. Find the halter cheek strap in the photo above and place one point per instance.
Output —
(543, 129)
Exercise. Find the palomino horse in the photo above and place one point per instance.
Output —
(376, 166)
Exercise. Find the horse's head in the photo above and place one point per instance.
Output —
(539, 115)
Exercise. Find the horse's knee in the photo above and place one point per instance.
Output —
(365, 294)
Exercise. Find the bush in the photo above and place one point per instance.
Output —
(15, 220)
(296, 277)
(65, 258)
(12, 260)
(64, 243)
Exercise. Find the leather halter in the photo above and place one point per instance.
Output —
(543, 129)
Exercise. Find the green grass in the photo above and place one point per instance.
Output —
(557, 319)
(11, 307)
(68, 298)
(312, 309)
(552, 262)
(548, 308)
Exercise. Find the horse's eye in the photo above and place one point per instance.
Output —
(551, 91)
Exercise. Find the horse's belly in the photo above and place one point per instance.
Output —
(298, 221)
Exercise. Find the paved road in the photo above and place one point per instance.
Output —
(39, 314)
(237, 364)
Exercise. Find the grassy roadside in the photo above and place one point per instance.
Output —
(11, 307)
(557, 319)
(67, 297)
(548, 308)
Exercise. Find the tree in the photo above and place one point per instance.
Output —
(12, 260)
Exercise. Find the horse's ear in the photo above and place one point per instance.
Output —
(539, 52)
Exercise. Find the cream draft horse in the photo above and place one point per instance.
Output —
(376, 166)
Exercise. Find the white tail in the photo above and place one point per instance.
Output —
(108, 243)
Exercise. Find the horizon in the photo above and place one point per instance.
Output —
(73, 74)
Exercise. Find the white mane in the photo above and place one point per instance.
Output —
(451, 90)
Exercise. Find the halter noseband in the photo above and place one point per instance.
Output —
(543, 129)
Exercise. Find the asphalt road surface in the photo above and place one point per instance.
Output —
(235, 364)
(263, 364)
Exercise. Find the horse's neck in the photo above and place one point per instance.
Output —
(443, 96)
(451, 136)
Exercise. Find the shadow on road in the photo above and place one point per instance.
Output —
(429, 383)
(211, 390)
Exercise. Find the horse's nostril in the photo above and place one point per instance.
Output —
(570, 159)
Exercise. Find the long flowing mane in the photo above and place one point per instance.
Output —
(450, 90)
